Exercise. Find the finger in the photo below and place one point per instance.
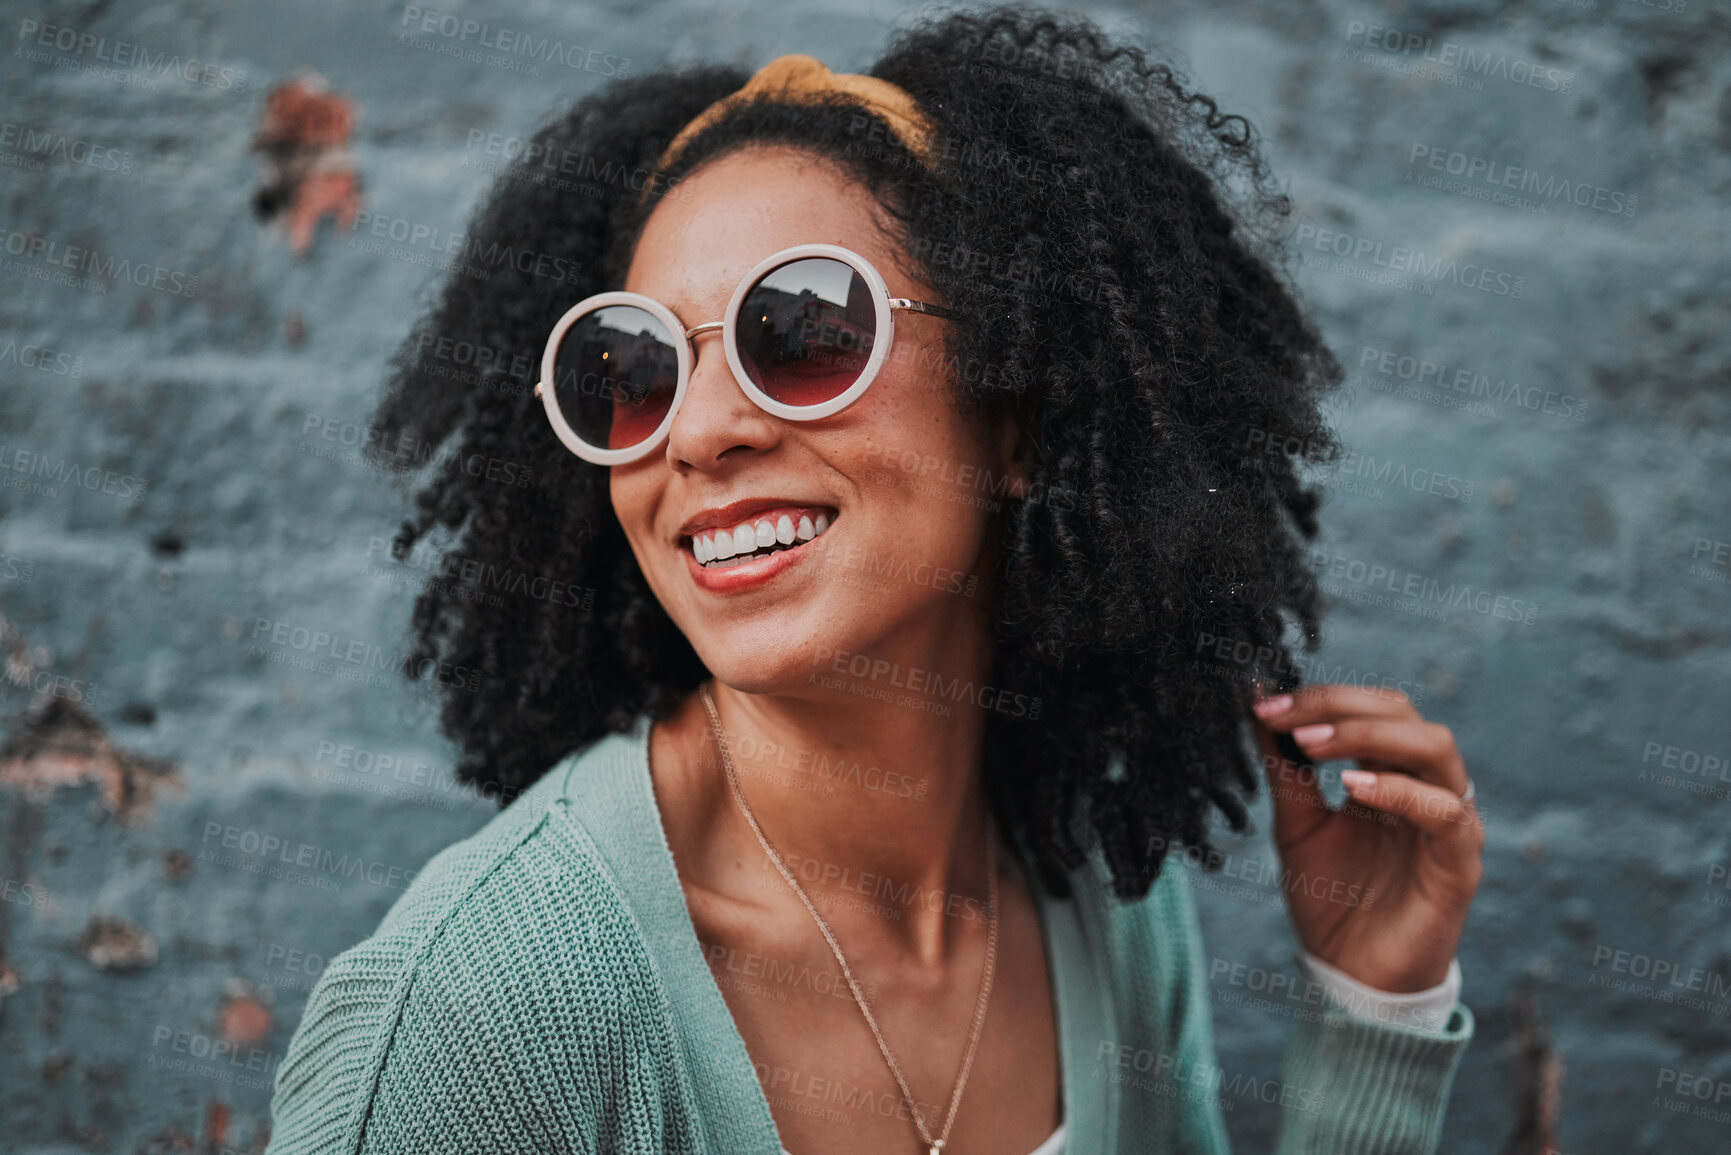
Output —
(1455, 822)
(1328, 702)
(1423, 749)
(1297, 793)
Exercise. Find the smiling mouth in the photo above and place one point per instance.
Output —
(759, 536)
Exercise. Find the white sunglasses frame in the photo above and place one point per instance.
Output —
(886, 306)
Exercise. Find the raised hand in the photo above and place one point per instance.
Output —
(1379, 888)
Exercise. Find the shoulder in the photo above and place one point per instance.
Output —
(534, 848)
(513, 952)
(1159, 924)
(1150, 948)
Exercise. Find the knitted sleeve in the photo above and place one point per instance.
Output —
(325, 1083)
(1348, 1085)
(508, 1005)
(1376, 1087)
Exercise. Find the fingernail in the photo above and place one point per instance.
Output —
(1269, 707)
(1357, 781)
(1313, 735)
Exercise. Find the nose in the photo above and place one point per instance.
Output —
(716, 418)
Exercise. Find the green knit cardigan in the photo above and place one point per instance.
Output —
(540, 987)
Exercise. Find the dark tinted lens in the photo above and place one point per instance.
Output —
(806, 330)
(614, 376)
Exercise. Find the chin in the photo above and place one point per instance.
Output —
(778, 673)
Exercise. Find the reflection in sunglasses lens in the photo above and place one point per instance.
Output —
(615, 375)
(806, 330)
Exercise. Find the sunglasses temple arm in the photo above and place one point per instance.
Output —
(920, 307)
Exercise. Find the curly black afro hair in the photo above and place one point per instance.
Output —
(1111, 241)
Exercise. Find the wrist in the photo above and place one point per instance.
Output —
(1412, 980)
(1425, 1010)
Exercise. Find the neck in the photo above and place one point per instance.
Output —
(875, 806)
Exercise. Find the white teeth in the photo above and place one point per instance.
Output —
(750, 537)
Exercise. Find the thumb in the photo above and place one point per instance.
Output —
(1297, 791)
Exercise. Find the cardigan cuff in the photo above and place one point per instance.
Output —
(1370, 1086)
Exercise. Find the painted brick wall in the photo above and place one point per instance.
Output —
(1538, 408)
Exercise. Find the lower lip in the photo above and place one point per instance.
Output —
(748, 575)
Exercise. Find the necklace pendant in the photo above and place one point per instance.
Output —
(937, 1148)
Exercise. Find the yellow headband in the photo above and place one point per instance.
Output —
(801, 79)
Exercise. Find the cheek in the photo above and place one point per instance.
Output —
(619, 493)
(909, 419)
(632, 491)
(927, 484)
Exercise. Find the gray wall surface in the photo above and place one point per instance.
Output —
(177, 464)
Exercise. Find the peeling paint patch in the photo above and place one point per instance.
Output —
(1538, 1078)
(57, 742)
(111, 943)
(171, 1140)
(54, 1066)
(216, 1125)
(177, 866)
(309, 173)
(245, 1021)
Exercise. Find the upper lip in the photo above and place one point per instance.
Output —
(736, 512)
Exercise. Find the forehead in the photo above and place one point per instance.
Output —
(734, 211)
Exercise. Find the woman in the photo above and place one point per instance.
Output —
(901, 433)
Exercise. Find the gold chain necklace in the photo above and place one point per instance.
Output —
(934, 1146)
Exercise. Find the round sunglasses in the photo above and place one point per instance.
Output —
(805, 334)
